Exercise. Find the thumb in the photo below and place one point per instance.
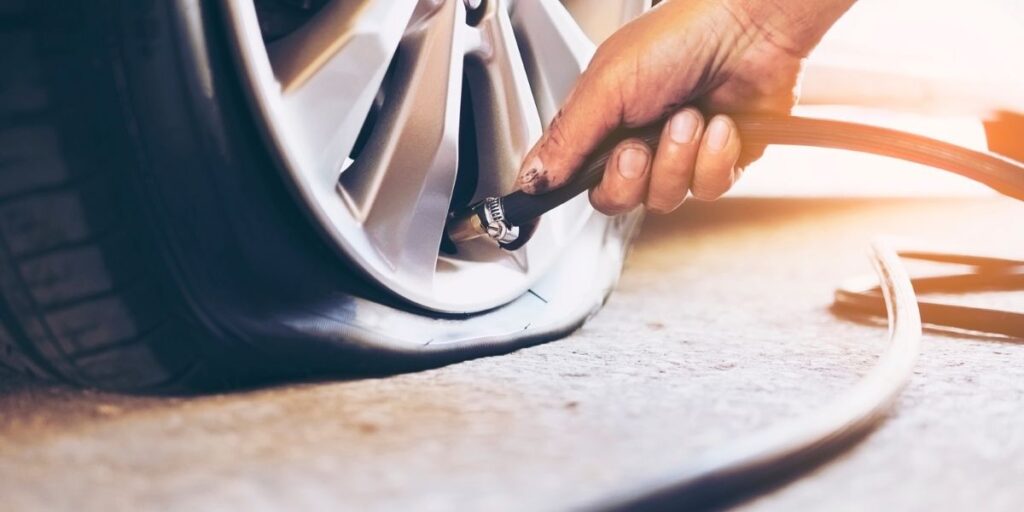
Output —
(587, 117)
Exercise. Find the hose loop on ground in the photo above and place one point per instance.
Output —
(777, 454)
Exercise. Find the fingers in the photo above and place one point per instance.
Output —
(691, 158)
(674, 164)
(585, 120)
(715, 170)
(626, 178)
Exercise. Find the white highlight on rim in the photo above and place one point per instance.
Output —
(386, 210)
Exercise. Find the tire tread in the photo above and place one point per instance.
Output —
(78, 300)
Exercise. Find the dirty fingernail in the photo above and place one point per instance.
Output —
(683, 127)
(632, 163)
(718, 134)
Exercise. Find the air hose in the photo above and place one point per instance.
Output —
(780, 453)
(776, 455)
(500, 218)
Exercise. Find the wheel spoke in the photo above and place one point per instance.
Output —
(341, 27)
(401, 183)
(330, 71)
(362, 104)
(506, 117)
(555, 50)
(600, 18)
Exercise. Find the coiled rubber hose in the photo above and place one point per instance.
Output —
(1001, 174)
(773, 456)
(776, 455)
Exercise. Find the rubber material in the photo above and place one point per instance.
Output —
(999, 173)
(82, 295)
(988, 275)
(775, 455)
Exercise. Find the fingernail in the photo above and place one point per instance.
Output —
(683, 127)
(632, 163)
(718, 134)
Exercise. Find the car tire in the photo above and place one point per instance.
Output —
(148, 242)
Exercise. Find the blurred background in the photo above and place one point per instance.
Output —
(929, 67)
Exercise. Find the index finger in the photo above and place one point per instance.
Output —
(588, 116)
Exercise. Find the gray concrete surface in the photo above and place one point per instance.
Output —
(720, 326)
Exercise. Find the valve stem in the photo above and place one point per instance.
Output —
(486, 218)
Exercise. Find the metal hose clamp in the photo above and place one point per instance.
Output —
(494, 222)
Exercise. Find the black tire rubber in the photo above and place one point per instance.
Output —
(115, 175)
(85, 295)
(149, 241)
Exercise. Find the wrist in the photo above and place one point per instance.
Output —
(793, 26)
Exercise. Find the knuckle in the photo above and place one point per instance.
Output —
(557, 137)
(605, 54)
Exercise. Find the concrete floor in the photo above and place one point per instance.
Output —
(720, 326)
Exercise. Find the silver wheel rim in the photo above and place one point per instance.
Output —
(406, 61)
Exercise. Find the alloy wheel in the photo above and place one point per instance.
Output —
(386, 114)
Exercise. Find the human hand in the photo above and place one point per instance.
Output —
(679, 59)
